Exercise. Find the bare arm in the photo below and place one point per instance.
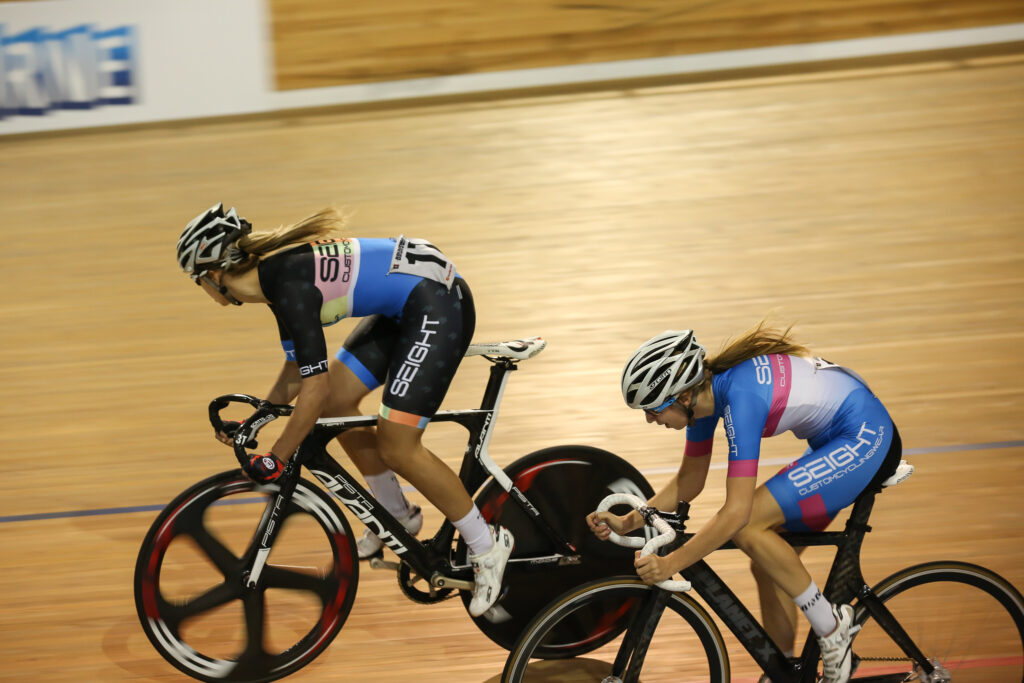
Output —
(733, 516)
(689, 482)
(286, 386)
(312, 398)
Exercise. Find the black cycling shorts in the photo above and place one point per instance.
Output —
(414, 356)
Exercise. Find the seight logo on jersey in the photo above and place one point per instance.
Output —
(763, 368)
(838, 463)
(730, 433)
(312, 369)
(335, 263)
(413, 360)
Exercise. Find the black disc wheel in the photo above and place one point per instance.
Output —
(565, 484)
(192, 569)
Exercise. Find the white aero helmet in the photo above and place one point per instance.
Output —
(663, 367)
(208, 241)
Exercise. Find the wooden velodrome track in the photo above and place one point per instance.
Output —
(880, 209)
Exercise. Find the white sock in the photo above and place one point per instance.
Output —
(817, 609)
(388, 492)
(475, 532)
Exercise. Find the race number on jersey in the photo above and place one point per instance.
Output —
(822, 364)
(420, 257)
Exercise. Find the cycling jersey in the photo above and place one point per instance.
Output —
(847, 428)
(419, 313)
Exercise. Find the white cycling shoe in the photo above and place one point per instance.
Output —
(488, 569)
(836, 655)
(369, 543)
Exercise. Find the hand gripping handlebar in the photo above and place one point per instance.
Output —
(666, 534)
(245, 435)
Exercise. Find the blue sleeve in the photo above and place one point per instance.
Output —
(745, 416)
(700, 437)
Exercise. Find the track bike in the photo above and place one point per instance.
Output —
(227, 594)
(933, 622)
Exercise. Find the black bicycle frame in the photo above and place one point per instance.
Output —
(428, 558)
(845, 582)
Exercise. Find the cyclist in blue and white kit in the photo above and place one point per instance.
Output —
(418, 320)
(761, 385)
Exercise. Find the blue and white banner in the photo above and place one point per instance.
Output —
(83, 63)
(81, 67)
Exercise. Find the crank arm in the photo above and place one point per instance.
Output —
(378, 563)
(439, 580)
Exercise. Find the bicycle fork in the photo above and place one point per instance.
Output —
(269, 527)
(633, 650)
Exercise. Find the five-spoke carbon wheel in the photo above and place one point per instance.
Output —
(191, 575)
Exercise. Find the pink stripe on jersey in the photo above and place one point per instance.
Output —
(698, 449)
(742, 468)
(782, 383)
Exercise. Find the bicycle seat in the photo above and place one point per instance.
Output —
(904, 470)
(520, 349)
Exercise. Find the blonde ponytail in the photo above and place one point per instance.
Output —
(322, 224)
(759, 340)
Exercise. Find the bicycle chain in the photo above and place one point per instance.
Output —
(885, 659)
(911, 675)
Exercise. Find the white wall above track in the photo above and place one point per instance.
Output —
(68, 64)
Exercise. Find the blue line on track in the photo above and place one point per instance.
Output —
(112, 511)
(249, 501)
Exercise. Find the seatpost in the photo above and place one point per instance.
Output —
(496, 382)
(845, 580)
(480, 426)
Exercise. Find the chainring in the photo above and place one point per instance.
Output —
(408, 582)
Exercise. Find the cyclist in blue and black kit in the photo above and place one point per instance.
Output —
(760, 385)
(418, 320)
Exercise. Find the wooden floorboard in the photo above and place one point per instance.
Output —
(879, 210)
